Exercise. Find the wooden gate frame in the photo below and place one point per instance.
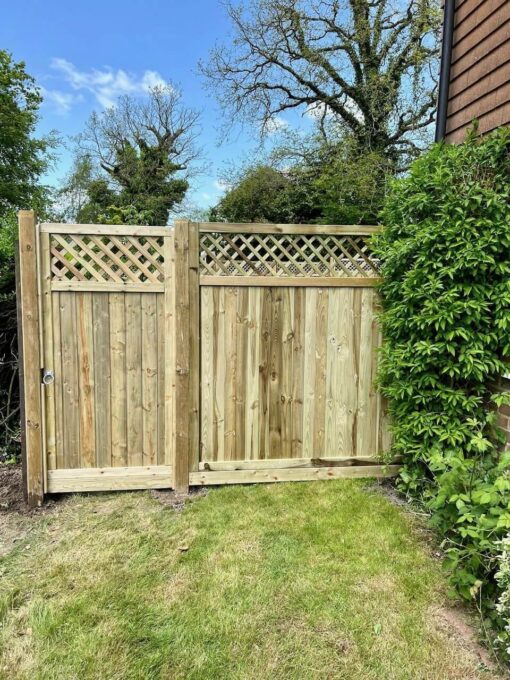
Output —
(187, 283)
(183, 279)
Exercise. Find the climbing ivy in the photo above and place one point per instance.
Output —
(445, 252)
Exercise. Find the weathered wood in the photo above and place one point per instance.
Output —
(149, 361)
(290, 281)
(33, 417)
(110, 479)
(86, 380)
(102, 380)
(194, 350)
(134, 379)
(103, 229)
(183, 381)
(291, 372)
(107, 287)
(48, 390)
(119, 423)
(255, 228)
(168, 412)
(70, 386)
(284, 463)
(204, 478)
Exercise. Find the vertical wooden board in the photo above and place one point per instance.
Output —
(85, 340)
(275, 374)
(181, 357)
(251, 433)
(58, 385)
(163, 454)
(241, 373)
(48, 351)
(70, 387)
(334, 376)
(287, 349)
(231, 295)
(264, 370)
(118, 379)
(219, 359)
(321, 345)
(171, 333)
(32, 424)
(368, 407)
(309, 368)
(208, 315)
(298, 372)
(149, 379)
(194, 349)
(102, 376)
(346, 396)
(134, 378)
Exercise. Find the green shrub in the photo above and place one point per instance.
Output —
(445, 254)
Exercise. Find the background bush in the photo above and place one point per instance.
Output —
(446, 322)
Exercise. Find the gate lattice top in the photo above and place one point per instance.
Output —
(310, 255)
(106, 259)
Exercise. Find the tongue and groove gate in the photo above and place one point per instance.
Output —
(203, 354)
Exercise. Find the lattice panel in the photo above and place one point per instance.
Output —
(107, 259)
(322, 255)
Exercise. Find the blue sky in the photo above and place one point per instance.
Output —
(85, 53)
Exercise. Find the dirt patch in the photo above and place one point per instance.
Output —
(177, 501)
(454, 622)
(11, 493)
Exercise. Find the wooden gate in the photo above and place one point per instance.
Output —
(204, 354)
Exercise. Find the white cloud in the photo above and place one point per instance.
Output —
(62, 102)
(222, 185)
(107, 84)
(275, 124)
(316, 111)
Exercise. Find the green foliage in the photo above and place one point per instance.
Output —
(265, 194)
(503, 604)
(334, 184)
(134, 158)
(23, 157)
(446, 320)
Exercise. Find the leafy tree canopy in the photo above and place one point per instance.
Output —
(325, 183)
(23, 156)
(134, 160)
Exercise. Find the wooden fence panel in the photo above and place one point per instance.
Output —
(206, 354)
(288, 373)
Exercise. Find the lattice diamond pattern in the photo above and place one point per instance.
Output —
(324, 255)
(106, 259)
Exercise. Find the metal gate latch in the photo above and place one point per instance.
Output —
(48, 377)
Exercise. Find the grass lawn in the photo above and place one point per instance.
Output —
(292, 581)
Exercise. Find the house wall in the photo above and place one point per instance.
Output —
(480, 67)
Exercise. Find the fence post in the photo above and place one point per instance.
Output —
(186, 427)
(30, 359)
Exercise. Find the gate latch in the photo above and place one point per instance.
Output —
(48, 377)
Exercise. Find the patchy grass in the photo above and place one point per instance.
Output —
(291, 581)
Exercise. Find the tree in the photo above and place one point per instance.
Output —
(367, 64)
(314, 182)
(265, 194)
(135, 159)
(23, 157)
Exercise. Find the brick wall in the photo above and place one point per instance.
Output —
(504, 413)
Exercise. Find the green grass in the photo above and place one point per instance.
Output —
(292, 581)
